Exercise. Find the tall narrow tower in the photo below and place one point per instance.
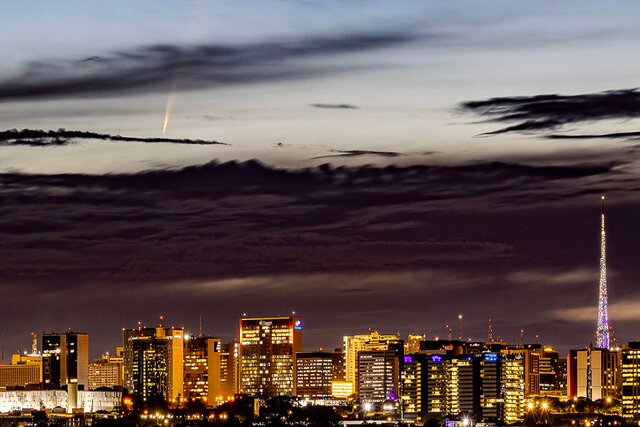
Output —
(602, 330)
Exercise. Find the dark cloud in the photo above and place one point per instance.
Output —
(546, 112)
(612, 135)
(223, 238)
(357, 153)
(355, 290)
(335, 106)
(205, 221)
(157, 68)
(46, 138)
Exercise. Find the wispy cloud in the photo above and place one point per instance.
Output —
(335, 106)
(620, 311)
(47, 138)
(357, 153)
(156, 68)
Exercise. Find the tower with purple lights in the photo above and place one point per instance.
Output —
(602, 330)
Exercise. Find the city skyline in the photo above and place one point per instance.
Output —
(452, 327)
(362, 164)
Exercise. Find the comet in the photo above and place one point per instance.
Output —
(167, 112)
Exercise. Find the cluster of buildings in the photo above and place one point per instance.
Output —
(372, 373)
(412, 379)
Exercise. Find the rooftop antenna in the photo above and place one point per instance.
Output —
(201, 326)
(490, 335)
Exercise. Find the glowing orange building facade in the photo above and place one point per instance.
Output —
(268, 347)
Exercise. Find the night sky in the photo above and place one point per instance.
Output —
(366, 164)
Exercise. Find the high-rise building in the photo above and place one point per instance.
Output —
(489, 386)
(552, 378)
(530, 354)
(489, 370)
(202, 369)
(436, 390)
(106, 372)
(154, 361)
(425, 381)
(460, 396)
(339, 372)
(229, 370)
(513, 388)
(378, 376)
(602, 329)
(631, 382)
(268, 347)
(414, 386)
(314, 374)
(65, 360)
(593, 373)
(353, 344)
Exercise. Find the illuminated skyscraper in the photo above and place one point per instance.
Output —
(353, 344)
(229, 370)
(631, 382)
(268, 347)
(531, 354)
(602, 330)
(378, 376)
(202, 369)
(593, 373)
(314, 374)
(154, 361)
(414, 385)
(552, 381)
(513, 388)
(65, 360)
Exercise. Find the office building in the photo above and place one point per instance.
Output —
(268, 347)
(631, 382)
(65, 360)
(153, 359)
(20, 375)
(436, 390)
(378, 376)
(512, 378)
(202, 369)
(530, 354)
(229, 370)
(314, 374)
(106, 372)
(353, 344)
(414, 386)
(341, 389)
(593, 373)
(552, 373)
